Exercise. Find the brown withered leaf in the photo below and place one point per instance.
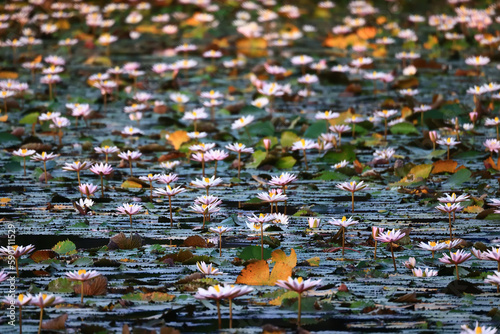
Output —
(195, 241)
(190, 278)
(121, 241)
(408, 298)
(56, 323)
(42, 255)
(95, 287)
(169, 330)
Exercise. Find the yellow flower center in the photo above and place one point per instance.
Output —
(432, 244)
(82, 271)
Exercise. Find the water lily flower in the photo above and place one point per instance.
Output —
(101, 170)
(449, 208)
(303, 144)
(44, 157)
(493, 122)
(130, 210)
(130, 156)
(208, 269)
(20, 301)
(391, 237)
(272, 197)
(300, 286)
(169, 191)
(411, 263)
(494, 279)
(220, 230)
(456, 258)
(239, 148)
(87, 189)
(206, 210)
(344, 223)
(43, 300)
(352, 187)
(216, 155)
(262, 219)
(206, 182)
(215, 292)
(242, 122)
(385, 114)
(107, 150)
(419, 272)
(50, 79)
(82, 276)
(478, 329)
(339, 129)
(432, 246)
(448, 142)
(22, 152)
(77, 166)
(493, 255)
(16, 252)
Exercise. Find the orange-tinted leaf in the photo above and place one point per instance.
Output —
(148, 29)
(4, 118)
(8, 75)
(178, 138)
(380, 52)
(490, 163)
(406, 83)
(444, 166)
(366, 32)
(131, 184)
(252, 47)
(257, 273)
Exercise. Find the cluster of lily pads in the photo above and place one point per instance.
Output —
(239, 100)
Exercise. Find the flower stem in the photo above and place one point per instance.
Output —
(449, 220)
(220, 244)
(375, 253)
(17, 267)
(218, 313)
(20, 319)
(300, 310)
(24, 165)
(261, 241)
(130, 220)
(352, 200)
(393, 259)
(230, 313)
(239, 162)
(343, 242)
(40, 324)
(456, 270)
(305, 159)
(170, 205)
(81, 299)
(130, 163)
(45, 170)
(102, 185)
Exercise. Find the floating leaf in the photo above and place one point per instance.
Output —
(286, 295)
(286, 162)
(42, 255)
(66, 247)
(178, 138)
(56, 323)
(446, 166)
(314, 261)
(288, 138)
(150, 296)
(252, 47)
(62, 285)
(257, 273)
(130, 184)
(253, 252)
(31, 118)
(416, 174)
(121, 241)
(404, 129)
(315, 130)
(97, 286)
(459, 177)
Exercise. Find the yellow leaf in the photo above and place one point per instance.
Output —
(63, 25)
(314, 261)
(178, 138)
(4, 200)
(131, 184)
(98, 60)
(148, 29)
(380, 52)
(473, 209)
(257, 273)
(4, 118)
(287, 295)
